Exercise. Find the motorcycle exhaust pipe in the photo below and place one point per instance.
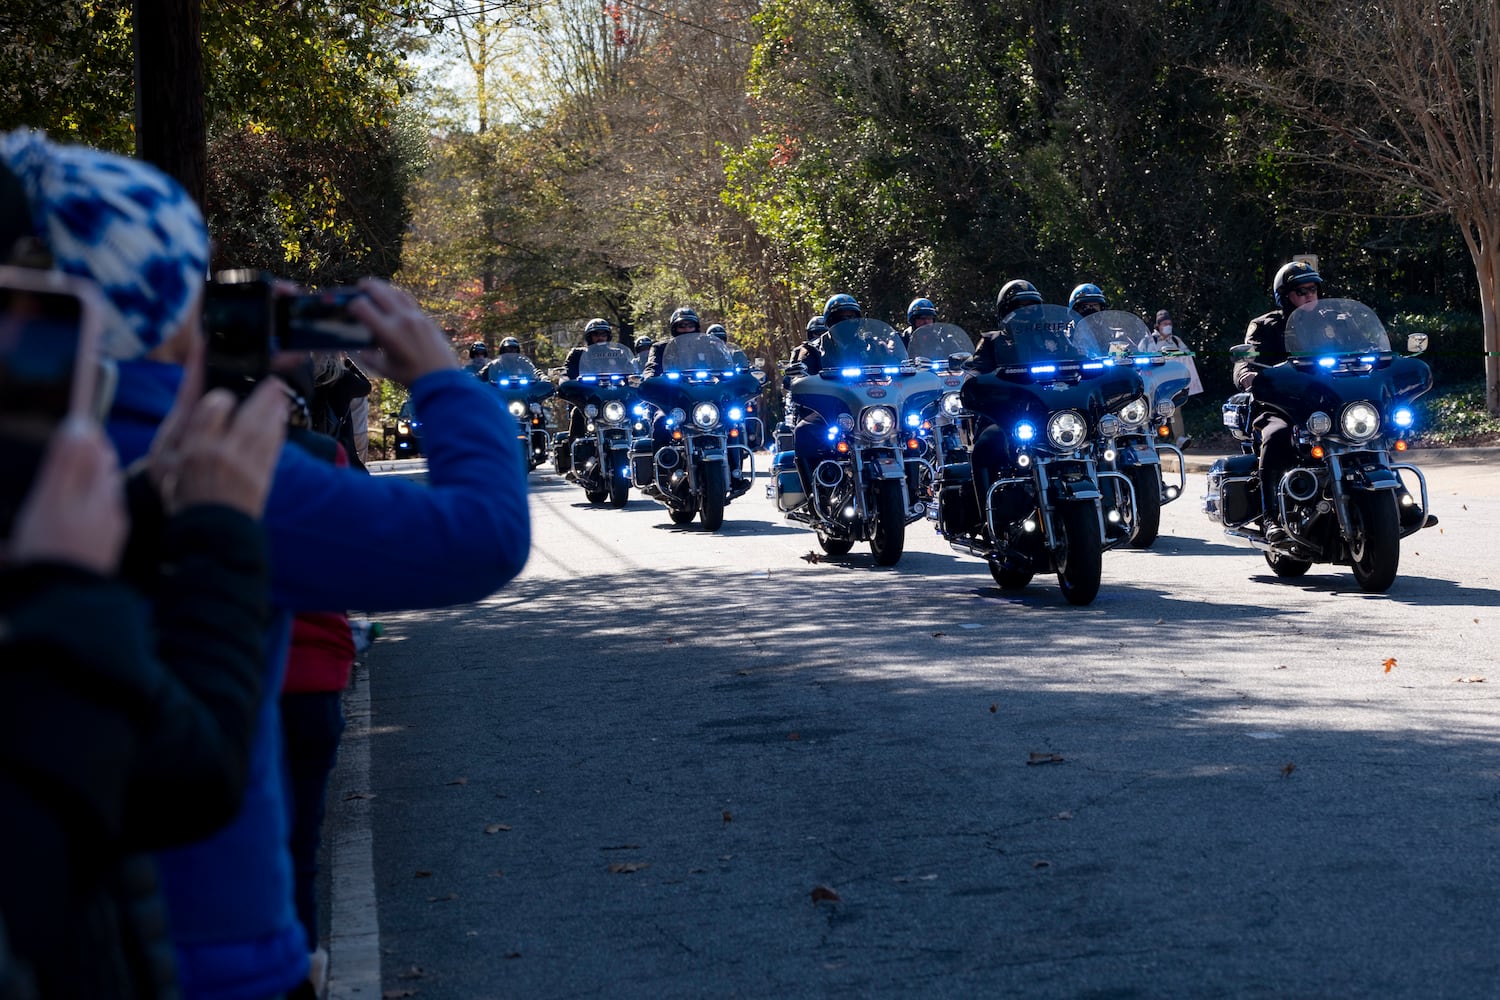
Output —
(667, 458)
(1300, 484)
(829, 474)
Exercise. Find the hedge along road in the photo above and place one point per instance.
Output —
(664, 763)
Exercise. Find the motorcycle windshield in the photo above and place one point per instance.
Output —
(932, 345)
(607, 359)
(860, 344)
(1114, 333)
(697, 355)
(1331, 327)
(513, 368)
(1040, 335)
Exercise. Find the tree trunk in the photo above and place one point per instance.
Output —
(169, 121)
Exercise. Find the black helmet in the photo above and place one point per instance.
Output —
(596, 326)
(1014, 295)
(816, 327)
(642, 344)
(841, 303)
(1087, 294)
(920, 307)
(510, 345)
(479, 349)
(1291, 275)
(684, 315)
(717, 330)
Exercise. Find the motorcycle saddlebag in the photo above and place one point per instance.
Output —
(1237, 415)
(788, 483)
(1233, 490)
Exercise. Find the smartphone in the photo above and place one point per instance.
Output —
(50, 326)
(320, 321)
(238, 319)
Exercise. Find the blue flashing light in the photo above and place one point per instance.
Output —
(674, 376)
(589, 378)
(1043, 369)
(505, 381)
(702, 374)
(849, 372)
(1093, 366)
(639, 409)
(833, 433)
(1025, 431)
(1403, 417)
(892, 370)
(1327, 362)
(736, 414)
(525, 381)
(1143, 361)
(914, 420)
(1368, 359)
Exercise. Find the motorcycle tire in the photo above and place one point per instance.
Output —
(683, 516)
(1375, 541)
(715, 488)
(1147, 482)
(1285, 566)
(889, 539)
(835, 546)
(1007, 578)
(596, 496)
(1080, 556)
(619, 489)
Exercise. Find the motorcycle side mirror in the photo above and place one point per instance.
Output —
(957, 359)
(1241, 352)
(1416, 343)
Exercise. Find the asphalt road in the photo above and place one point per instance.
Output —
(664, 763)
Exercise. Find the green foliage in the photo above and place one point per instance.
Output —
(1456, 416)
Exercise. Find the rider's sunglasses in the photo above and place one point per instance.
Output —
(683, 328)
(1305, 290)
(1089, 308)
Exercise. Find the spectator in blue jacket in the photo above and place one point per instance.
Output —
(338, 539)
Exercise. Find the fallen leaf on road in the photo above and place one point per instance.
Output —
(1063, 815)
(497, 828)
(1161, 621)
(622, 847)
(352, 796)
(812, 557)
(398, 994)
(1389, 663)
(994, 707)
(422, 873)
(512, 954)
(939, 635)
(415, 972)
(1286, 772)
(823, 894)
(794, 736)
(1039, 863)
(497, 873)
(1036, 757)
(728, 818)
(1469, 680)
(628, 867)
(457, 781)
(670, 640)
(442, 899)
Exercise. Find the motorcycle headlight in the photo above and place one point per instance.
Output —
(677, 416)
(846, 421)
(878, 421)
(591, 411)
(1361, 421)
(517, 409)
(1109, 425)
(952, 404)
(1319, 423)
(614, 411)
(1066, 430)
(1165, 409)
(1134, 413)
(1403, 418)
(705, 415)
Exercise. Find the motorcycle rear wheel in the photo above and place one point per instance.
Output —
(1375, 541)
(714, 488)
(1147, 483)
(889, 539)
(1008, 578)
(1080, 557)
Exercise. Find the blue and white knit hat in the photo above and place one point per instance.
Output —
(120, 222)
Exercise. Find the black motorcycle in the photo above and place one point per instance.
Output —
(524, 389)
(1029, 499)
(600, 458)
(697, 461)
(1348, 398)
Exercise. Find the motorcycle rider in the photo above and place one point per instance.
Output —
(1087, 299)
(642, 353)
(596, 331)
(479, 356)
(810, 432)
(1296, 286)
(920, 313)
(510, 345)
(684, 320)
(996, 345)
(741, 359)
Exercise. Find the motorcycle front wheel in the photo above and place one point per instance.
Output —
(1374, 540)
(1147, 483)
(714, 489)
(889, 539)
(1080, 556)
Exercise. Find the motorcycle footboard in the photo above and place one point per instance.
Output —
(1422, 489)
(1127, 526)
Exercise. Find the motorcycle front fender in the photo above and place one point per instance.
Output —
(884, 465)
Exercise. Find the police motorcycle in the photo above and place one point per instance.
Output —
(941, 348)
(1145, 422)
(524, 389)
(871, 399)
(603, 390)
(700, 398)
(1347, 500)
(1036, 502)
